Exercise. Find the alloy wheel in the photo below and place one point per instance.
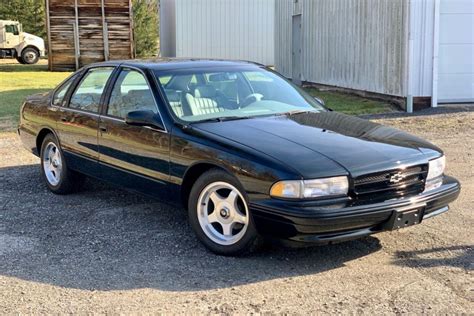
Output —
(222, 213)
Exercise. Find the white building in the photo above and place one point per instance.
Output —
(230, 29)
(418, 51)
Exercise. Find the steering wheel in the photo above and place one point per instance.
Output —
(251, 98)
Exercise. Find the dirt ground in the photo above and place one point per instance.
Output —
(107, 250)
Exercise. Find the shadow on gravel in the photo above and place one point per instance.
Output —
(454, 256)
(108, 239)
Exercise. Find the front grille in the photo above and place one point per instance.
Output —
(391, 184)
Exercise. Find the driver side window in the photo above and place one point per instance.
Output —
(130, 93)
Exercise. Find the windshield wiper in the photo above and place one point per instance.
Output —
(290, 113)
(222, 119)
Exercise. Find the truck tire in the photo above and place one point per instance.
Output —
(30, 56)
(18, 59)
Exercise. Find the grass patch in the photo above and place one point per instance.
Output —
(349, 103)
(17, 82)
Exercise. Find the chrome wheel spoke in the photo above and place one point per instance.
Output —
(227, 229)
(240, 218)
(212, 218)
(215, 198)
(232, 198)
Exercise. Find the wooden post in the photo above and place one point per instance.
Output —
(48, 29)
(77, 48)
(130, 16)
(105, 32)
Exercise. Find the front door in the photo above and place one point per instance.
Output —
(79, 121)
(136, 157)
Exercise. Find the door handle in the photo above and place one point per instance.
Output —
(103, 129)
(63, 119)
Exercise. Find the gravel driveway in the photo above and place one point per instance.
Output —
(107, 250)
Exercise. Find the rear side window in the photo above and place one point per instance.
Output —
(89, 92)
(130, 93)
(60, 94)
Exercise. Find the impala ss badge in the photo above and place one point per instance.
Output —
(396, 177)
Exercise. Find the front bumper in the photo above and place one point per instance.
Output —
(326, 222)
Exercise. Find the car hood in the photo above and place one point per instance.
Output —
(328, 143)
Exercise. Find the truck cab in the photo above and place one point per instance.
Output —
(14, 43)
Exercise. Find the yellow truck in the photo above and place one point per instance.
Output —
(14, 43)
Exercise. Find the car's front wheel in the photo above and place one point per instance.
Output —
(219, 214)
(58, 177)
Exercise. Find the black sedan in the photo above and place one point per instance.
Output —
(246, 152)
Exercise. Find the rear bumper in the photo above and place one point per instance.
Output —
(336, 221)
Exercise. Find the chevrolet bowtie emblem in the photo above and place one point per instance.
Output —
(396, 177)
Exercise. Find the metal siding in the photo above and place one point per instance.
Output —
(356, 44)
(421, 50)
(228, 29)
(167, 28)
(283, 17)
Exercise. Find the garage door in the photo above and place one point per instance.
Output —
(456, 51)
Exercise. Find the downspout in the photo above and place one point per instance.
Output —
(434, 93)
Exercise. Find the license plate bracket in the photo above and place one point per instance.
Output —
(406, 217)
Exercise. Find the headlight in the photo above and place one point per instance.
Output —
(436, 168)
(306, 189)
(435, 171)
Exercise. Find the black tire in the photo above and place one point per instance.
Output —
(69, 181)
(249, 241)
(30, 56)
(19, 60)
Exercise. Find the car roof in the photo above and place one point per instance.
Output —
(178, 63)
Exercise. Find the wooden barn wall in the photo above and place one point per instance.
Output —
(92, 47)
(356, 44)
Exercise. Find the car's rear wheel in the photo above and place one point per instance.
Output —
(58, 177)
(220, 216)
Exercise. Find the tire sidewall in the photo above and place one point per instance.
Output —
(249, 239)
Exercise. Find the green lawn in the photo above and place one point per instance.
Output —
(349, 103)
(18, 81)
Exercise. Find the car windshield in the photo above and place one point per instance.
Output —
(199, 95)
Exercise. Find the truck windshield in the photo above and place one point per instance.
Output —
(198, 95)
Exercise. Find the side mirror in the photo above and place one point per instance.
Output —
(144, 118)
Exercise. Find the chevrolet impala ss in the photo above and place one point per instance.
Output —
(246, 152)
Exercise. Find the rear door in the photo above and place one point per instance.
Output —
(133, 156)
(78, 122)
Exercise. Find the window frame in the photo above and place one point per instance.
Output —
(103, 94)
(73, 78)
(108, 94)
